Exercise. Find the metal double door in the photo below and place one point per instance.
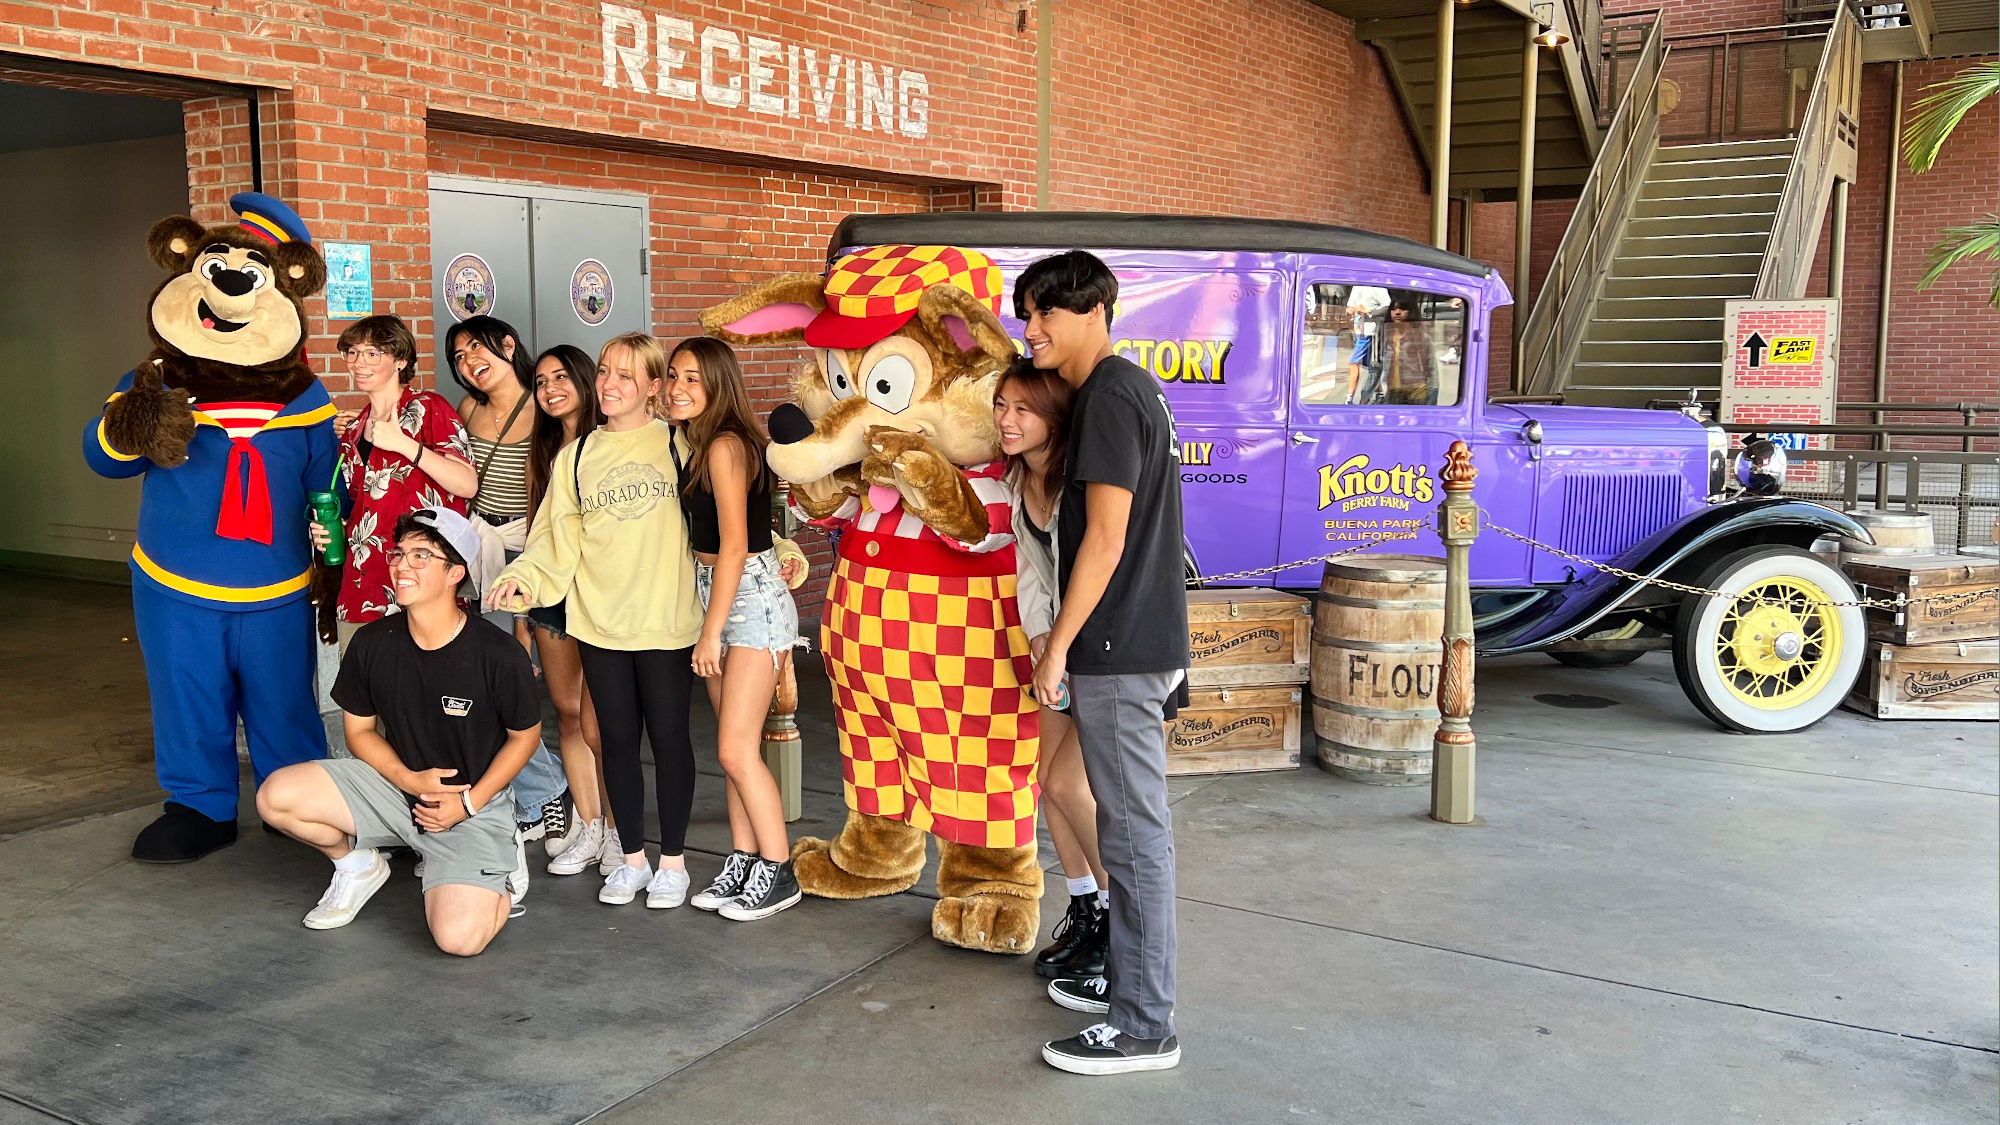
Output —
(560, 267)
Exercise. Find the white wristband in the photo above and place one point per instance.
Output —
(465, 798)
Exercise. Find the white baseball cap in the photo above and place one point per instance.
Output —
(456, 530)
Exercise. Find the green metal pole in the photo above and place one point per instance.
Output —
(1454, 750)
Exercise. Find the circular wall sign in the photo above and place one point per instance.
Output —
(469, 288)
(590, 291)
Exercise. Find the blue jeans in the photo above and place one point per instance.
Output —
(541, 780)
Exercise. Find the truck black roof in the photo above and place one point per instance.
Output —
(1112, 230)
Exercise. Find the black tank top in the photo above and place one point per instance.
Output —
(705, 529)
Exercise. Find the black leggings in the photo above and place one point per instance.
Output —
(649, 688)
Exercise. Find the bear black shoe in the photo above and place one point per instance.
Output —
(1080, 938)
(182, 835)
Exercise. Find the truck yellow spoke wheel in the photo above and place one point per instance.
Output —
(1776, 643)
(1769, 652)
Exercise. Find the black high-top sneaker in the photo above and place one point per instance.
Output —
(1072, 934)
(769, 888)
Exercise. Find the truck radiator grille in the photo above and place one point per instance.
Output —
(1603, 515)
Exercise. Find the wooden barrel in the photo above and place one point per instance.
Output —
(1895, 533)
(1376, 656)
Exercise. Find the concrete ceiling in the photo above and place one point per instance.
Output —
(43, 117)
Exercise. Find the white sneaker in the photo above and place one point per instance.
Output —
(517, 880)
(347, 894)
(668, 889)
(624, 884)
(611, 856)
(584, 846)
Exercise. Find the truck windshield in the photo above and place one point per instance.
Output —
(1365, 345)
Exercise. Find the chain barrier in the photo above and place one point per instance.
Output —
(1898, 604)
(1235, 574)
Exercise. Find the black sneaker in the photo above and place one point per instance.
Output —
(770, 887)
(1073, 935)
(1104, 1049)
(1080, 994)
(554, 820)
(728, 883)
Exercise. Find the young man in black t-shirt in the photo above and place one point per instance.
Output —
(1121, 638)
(459, 715)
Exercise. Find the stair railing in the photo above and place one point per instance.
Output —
(1555, 325)
(1826, 152)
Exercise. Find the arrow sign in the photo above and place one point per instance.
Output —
(1755, 345)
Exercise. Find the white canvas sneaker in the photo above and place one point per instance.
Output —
(583, 852)
(517, 880)
(668, 889)
(624, 884)
(611, 856)
(347, 894)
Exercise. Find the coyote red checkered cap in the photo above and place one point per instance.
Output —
(873, 292)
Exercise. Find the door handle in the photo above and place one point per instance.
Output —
(1300, 437)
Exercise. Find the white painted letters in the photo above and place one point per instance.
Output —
(668, 30)
(736, 71)
(723, 95)
(619, 20)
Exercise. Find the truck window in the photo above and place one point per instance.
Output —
(1366, 345)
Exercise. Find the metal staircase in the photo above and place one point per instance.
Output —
(1693, 201)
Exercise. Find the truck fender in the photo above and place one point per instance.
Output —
(1576, 608)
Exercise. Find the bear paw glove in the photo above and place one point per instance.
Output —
(151, 420)
(933, 488)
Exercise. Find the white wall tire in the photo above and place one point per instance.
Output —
(1771, 658)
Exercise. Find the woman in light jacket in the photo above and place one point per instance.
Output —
(611, 544)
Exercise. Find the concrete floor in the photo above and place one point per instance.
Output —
(1654, 922)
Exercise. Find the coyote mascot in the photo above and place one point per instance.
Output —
(890, 440)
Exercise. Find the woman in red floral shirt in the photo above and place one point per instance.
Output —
(405, 450)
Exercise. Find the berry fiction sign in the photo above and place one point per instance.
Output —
(672, 58)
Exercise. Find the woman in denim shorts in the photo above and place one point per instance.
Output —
(750, 622)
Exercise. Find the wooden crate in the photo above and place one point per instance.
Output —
(1248, 636)
(1968, 609)
(1236, 729)
(1955, 680)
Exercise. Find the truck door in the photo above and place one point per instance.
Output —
(1214, 338)
(1379, 394)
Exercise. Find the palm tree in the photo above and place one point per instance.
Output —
(1938, 113)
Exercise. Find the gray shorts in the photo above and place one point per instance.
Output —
(473, 853)
(763, 614)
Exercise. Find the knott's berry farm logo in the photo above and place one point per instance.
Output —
(668, 56)
(1354, 485)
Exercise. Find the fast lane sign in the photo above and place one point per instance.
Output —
(1782, 367)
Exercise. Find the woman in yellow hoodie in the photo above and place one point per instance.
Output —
(611, 544)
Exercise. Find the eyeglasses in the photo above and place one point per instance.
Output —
(417, 557)
(365, 355)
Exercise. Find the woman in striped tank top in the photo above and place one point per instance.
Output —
(498, 374)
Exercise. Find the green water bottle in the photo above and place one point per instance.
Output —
(326, 513)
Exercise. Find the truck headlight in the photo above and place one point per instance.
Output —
(1760, 467)
(1718, 461)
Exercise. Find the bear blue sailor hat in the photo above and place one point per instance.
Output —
(268, 218)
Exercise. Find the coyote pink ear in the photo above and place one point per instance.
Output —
(960, 332)
(772, 319)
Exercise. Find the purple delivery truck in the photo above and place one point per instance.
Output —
(1317, 376)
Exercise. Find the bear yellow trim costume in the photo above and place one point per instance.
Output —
(890, 440)
(229, 430)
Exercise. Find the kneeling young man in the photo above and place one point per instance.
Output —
(459, 716)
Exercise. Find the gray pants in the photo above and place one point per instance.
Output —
(1120, 725)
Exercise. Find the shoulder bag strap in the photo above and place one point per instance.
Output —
(479, 483)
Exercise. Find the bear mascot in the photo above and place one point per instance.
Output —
(230, 430)
(890, 441)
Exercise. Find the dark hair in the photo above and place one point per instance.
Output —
(492, 333)
(1076, 280)
(388, 333)
(408, 524)
(1049, 398)
(548, 436)
(728, 412)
